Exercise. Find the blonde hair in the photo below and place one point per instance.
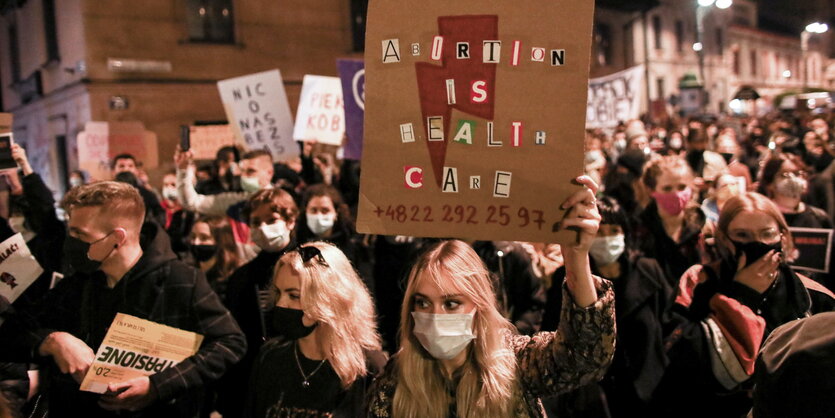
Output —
(116, 199)
(487, 378)
(333, 295)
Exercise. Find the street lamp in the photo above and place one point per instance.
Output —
(812, 28)
(701, 12)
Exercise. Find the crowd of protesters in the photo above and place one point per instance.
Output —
(683, 244)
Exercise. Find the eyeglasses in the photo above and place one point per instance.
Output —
(769, 235)
(798, 173)
(309, 252)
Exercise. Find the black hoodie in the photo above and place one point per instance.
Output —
(158, 288)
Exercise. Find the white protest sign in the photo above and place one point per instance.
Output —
(135, 347)
(321, 114)
(18, 268)
(615, 98)
(257, 108)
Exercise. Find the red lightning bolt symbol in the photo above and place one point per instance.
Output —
(432, 78)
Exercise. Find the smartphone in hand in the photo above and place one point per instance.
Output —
(185, 138)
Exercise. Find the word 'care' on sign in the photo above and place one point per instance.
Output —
(257, 108)
(468, 133)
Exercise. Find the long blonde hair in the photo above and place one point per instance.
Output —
(486, 386)
(334, 296)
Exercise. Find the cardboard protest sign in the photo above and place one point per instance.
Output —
(814, 249)
(99, 142)
(615, 98)
(320, 116)
(352, 74)
(135, 347)
(474, 117)
(257, 108)
(207, 139)
(6, 122)
(18, 268)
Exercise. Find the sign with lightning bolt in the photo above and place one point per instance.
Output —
(474, 116)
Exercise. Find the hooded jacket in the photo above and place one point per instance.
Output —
(158, 288)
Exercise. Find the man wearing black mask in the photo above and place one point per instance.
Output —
(706, 165)
(126, 267)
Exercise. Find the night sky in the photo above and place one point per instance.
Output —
(796, 14)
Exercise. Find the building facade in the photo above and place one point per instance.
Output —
(736, 53)
(64, 63)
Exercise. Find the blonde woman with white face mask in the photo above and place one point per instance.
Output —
(460, 357)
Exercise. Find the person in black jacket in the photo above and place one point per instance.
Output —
(123, 266)
(670, 228)
(329, 349)
(724, 310)
(272, 217)
(643, 299)
(124, 168)
(326, 218)
(520, 292)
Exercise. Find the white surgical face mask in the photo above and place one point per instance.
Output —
(620, 144)
(75, 182)
(320, 223)
(271, 238)
(444, 336)
(169, 193)
(250, 184)
(792, 186)
(675, 143)
(606, 250)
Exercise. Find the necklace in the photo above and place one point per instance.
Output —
(306, 378)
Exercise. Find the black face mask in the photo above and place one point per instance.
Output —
(695, 158)
(728, 156)
(755, 250)
(203, 253)
(76, 252)
(288, 323)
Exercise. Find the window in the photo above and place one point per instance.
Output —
(50, 31)
(720, 40)
(14, 52)
(359, 10)
(679, 36)
(656, 30)
(210, 21)
(659, 85)
(753, 62)
(602, 44)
